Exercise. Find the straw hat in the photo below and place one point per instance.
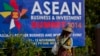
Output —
(68, 28)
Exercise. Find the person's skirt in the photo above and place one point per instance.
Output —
(63, 52)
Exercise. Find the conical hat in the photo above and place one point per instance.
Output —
(68, 28)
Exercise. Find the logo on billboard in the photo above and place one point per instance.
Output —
(12, 15)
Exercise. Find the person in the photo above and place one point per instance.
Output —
(65, 42)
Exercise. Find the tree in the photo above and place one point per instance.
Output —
(92, 16)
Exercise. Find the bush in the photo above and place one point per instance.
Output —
(18, 46)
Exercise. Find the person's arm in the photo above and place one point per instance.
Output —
(70, 44)
(57, 39)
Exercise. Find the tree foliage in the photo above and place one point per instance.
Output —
(92, 16)
(18, 46)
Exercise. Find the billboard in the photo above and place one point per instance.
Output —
(42, 20)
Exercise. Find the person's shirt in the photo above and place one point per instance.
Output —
(67, 43)
(61, 41)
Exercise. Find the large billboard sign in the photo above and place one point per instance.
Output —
(42, 20)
